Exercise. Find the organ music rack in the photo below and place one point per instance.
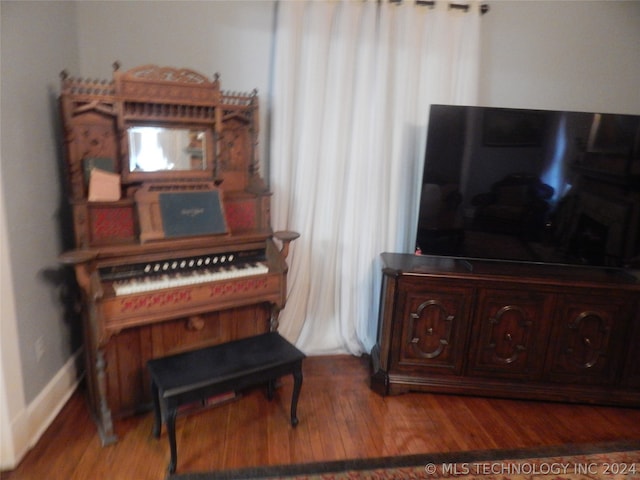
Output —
(183, 256)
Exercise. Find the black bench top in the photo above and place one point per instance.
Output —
(223, 363)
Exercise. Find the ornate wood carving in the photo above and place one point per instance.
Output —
(429, 329)
(587, 340)
(510, 331)
(152, 83)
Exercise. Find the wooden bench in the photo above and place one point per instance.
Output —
(197, 375)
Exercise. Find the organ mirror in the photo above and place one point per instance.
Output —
(156, 151)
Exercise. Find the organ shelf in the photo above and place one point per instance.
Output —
(173, 244)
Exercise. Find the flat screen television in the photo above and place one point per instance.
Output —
(531, 186)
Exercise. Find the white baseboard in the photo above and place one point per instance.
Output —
(29, 425)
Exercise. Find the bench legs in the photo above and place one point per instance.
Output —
(170, 422)
(171, 433)
(297, 385)
(171, 413)
(157, 416)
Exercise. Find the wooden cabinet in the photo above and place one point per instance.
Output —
(505, 329)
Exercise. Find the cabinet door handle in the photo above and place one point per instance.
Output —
(587, 341)
(508, 337)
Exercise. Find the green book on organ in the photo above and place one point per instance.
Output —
(192, 213)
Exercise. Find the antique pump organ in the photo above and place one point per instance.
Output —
(173, 244)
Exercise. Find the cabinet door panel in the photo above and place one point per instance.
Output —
(510, 334)
(588, 338)
(434, 328)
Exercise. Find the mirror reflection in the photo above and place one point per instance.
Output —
(158, 149)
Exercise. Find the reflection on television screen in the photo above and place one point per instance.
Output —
(531, 185)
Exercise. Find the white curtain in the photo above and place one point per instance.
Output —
(352, 85)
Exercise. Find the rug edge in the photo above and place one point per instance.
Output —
(571, 449)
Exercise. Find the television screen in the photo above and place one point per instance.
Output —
(531, 185)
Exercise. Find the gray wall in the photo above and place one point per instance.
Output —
(576, 55)
(85, 38)
(38, 40)
(231, 38)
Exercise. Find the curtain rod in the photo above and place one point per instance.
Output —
(484, 8)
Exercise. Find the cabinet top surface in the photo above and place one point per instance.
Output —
(427, 265)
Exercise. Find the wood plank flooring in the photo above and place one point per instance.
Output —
(340, 418)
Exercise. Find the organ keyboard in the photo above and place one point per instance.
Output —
(145, 285)
(158, 282)
(186, 256)
(181, 271)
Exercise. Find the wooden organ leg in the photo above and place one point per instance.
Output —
(96, 363)
(105, 423)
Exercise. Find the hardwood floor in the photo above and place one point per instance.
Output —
(340, 418)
